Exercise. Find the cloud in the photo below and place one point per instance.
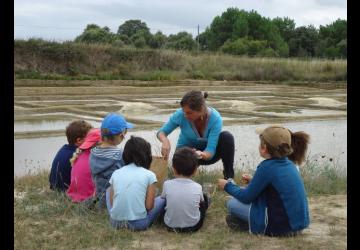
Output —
(69, 18)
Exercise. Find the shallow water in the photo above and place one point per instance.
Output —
(307, 113)
(42, 112)
(45, 125)
(328, 144)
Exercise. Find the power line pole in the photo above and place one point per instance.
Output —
(198, 38)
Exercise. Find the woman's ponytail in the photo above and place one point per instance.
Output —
(299, 144)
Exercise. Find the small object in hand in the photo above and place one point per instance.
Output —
(246, 178)
(198, 153)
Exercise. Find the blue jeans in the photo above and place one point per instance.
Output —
(238, 209)
(141, 224)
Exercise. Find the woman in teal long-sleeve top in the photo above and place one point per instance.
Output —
(200, 129)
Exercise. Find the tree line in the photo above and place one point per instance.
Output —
(236, 32)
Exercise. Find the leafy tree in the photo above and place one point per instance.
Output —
(231, 24)
(139, 41)
(244, 46)
(335, 31)
(125, 39)
(204, 38)
(131, 27)
(92, 26)
(332, 52)
(181, 41)
(342, 45)
(241, 26)
(218, 34)
(234, 24)
(158, 40)
(141, 35)
(304, 42)
(255, 22)
(95, 34)
(272, 35)
(286, 27)
(118, 43)
(237, 47)
(334, 39)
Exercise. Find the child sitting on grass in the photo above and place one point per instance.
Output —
(275, 201)
(186, 204)
(131, 198)
(60, 173)
(82, 186)
(106, 158)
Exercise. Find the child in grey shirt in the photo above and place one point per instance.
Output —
(185, 202)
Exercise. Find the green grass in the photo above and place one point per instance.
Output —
(44, 219)
(324, 178)
(39, 59)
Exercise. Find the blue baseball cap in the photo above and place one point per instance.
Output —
(115, 124)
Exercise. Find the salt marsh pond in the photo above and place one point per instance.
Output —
(42, 109)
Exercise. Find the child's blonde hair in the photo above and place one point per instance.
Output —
(75, 155)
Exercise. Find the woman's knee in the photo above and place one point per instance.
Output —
(226, 136)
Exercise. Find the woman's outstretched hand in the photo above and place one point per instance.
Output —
(165, 149)
(165, 146)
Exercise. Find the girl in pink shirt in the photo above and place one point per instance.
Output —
(82, 186)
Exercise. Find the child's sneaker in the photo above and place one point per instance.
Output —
(231, 180)
(235, 223)
(208, 189)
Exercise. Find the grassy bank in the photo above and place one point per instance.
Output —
(44, 219)
(38, 59)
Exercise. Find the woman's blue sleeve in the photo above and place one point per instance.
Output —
(171, 124)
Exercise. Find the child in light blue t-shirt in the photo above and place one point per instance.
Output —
(130, 199)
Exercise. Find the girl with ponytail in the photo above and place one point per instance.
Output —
(82, 186)
(275, 201)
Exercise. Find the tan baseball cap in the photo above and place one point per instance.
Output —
(275, 135)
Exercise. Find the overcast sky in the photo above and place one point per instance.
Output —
(65, 19)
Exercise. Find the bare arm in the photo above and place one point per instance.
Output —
(111, 195)
(150, 197)
(166, 146)
(204, 155)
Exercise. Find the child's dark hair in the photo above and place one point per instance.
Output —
(185, 161)
(77, 129)
(108, 137)
(295, 152)
(194, 99)
(138, 151)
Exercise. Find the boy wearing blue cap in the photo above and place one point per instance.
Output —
(106, 158)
